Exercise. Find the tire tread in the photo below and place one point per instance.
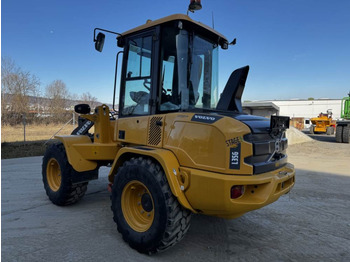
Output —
(339, 134)
(69, 193)
(178, 218)
(346, 134)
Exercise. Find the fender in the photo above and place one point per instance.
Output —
(165, 158)
(77, 161)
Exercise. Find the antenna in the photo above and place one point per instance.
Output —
(212, 18)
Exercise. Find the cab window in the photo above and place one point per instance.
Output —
(138, 76)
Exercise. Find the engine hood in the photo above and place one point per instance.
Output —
(257, 124)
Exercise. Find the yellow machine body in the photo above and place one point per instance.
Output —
(322, 122)
(194, 155)
(176, 146)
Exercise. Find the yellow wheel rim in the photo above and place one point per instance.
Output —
(137, 206)
(53, 174)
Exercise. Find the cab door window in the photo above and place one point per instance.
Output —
(138, 76)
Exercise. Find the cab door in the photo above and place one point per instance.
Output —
(139, 75)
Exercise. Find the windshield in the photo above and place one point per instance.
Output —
(189, 71)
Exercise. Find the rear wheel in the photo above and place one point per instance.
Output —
(339, 134)
(147, 214)
(346, 134)
(57, 177)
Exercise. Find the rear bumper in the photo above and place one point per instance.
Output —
(320, 129)
(209, 193)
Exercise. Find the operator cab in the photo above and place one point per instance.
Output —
(169, 65)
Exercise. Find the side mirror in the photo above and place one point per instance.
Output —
(82, 109)
(99, 41)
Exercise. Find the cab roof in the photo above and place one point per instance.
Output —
(175, 17)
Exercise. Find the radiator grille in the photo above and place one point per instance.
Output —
(155, 131)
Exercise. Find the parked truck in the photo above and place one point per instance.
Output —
(342, 134)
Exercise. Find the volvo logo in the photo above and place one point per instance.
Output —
(209, 118)
(83, 128)
(205, 118)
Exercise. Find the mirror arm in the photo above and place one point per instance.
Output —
(104, 30)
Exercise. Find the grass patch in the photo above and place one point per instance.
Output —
(12, 145)
(23, 149)
(33, 132)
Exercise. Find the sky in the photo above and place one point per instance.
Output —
(295, 48)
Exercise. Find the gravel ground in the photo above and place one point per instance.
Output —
(311, 223)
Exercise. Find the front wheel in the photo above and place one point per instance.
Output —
(57, 177)
(147, 214)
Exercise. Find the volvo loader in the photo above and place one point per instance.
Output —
(176, 147)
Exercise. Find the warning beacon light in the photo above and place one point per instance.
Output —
(194, 5)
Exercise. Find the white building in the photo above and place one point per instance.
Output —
(302, 108)
(308, 108)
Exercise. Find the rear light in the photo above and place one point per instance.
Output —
(237, 191)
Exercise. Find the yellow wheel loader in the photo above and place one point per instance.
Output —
(323, 123)
(176, 147)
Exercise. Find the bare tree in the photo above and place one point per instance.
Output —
(16, 88)
(87, 98)
(58, 96)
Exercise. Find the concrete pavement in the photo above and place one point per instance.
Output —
(312, 223)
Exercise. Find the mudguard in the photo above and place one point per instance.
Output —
(165, 158)
(77, 161)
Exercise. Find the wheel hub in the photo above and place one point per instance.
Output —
(137, 206)
(146, 202)
(53, 174)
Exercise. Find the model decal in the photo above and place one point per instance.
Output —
(234, 141)
(235, 157)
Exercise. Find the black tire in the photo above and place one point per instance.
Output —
(339, 134)
(346, 134)
(312, 130)
(57, 177)
(170, 220)
(329, 131)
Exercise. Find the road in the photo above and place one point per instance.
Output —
(312, 223)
